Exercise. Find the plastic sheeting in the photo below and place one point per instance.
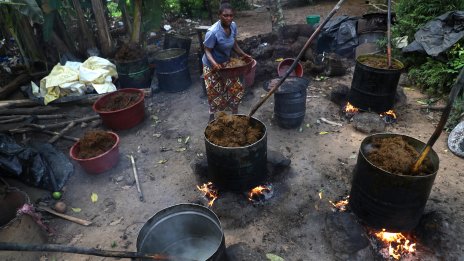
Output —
(339, 36)
(39, 165)
(439, 34)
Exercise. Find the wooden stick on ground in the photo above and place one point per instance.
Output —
(64, 216)
(14, 85)
(63, 136)
(39, 117)
(31, 111)
(134, 169)
(32, 127)
(62, 132)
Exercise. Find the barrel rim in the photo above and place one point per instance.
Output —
(180, 52)
(360, 57)
(386, 134)
(242, 147)
(292, 78)
(161, 213)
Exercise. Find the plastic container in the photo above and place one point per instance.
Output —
(124, 118)
(236, 71)
(313, 19)
(249, 78)
(100, 163)
(285, 64)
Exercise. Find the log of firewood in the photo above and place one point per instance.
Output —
(14, 85)
(29, 111)
(18, 103)
(32, 127)
(39, 117)
(62, 132)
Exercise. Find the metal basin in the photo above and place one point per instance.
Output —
(184, 231)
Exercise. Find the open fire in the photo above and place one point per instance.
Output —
(210, 192)
(388, 116)
(260, 193)
(398, 244)
(341, 205)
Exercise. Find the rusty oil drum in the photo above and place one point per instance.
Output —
(385, 200)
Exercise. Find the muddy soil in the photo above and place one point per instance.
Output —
(233, 131)
(397, 156)
(120, 101)
(94, 143)
(169, 146)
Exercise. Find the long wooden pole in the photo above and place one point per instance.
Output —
(82, 250)
(458, 85)
(295, 62)
(389, 54)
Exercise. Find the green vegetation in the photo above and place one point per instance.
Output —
(435, 76)
(113, 9)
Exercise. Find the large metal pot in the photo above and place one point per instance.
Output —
(188, 231)
(385, 200)
(238, 168)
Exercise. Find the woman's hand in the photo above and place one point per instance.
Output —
(216, 66)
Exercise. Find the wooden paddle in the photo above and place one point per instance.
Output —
(441, 124)
(4, 246)
(297, 59)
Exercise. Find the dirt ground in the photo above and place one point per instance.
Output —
(292, 223)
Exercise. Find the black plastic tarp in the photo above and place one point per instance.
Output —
(38, 164)
(338, 36)
(439, 34)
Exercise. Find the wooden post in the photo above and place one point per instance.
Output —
(104, 36)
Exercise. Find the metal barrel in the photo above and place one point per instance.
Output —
(171, 66)
(177, 41)
(134, 74)
(385, 200)
(374, 89)
(184, 231)
(238, 168)
(290, 102)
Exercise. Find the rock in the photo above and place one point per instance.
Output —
(436, 233)
(404, 80)
(456, 140)
(200, 167)
(368, 122)
(241, 252)
(400, 98)
(339, 95)
(277, 159)
(345, 235)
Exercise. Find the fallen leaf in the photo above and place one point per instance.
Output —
(187, 139)
(157, 135)
(180, 149)
(422, 102)
(307, 125)
(273, 257)
(94, 197)
(115, 222)
(353, 156)
(279, 59)
(179, 140)
(300, 129)
(323, 132)
(76, 210)
(162, 161)
(155, 117)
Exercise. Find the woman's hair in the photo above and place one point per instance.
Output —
(224, 5)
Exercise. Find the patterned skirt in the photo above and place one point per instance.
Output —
(223, 94)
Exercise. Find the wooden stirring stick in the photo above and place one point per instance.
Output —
(441, 124)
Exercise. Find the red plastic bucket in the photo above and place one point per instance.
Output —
(285, 64)
(249, 78)
(100, 163)
(124, 118)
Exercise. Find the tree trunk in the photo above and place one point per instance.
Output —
(20, 28)
(104, 37)
(87, 40)
(135, 38)
(126, 18)
(277, 15)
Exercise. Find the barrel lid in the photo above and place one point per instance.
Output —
(167, 54)
(291, 84)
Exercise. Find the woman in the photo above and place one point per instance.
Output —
(220, 40)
